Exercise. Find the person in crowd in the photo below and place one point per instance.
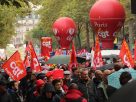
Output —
(73, 95)
(30, 87)
(106, 73)
(91, 74)
(109, 89)
(47, 94)
(85, 85)
(67, 78)
(49, 78)
(125, 77)
(24, 82)
(39, 85)
(100, 87)
(75, 75)
(15, 92)
(58, 90)
(2, 76)
(4, 96)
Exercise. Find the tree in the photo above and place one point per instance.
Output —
(16, 3)
(75, 9)
(7, 22)
(8, 17)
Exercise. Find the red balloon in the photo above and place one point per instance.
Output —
(106, 18)
(64, 30)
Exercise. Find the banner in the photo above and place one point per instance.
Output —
(97, 58)
(34, 61)
(73, 60)
(56, 74)
(14, 67)
(125, 55)
(46, 47)
(27, 61)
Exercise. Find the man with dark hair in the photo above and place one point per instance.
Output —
(117, 67)
(58, 90)
(86, 86)
(125, 77)
(75, 75)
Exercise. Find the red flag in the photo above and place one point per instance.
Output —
(135, 51)
(73, 60)
(125, 55)
(97, 58)
(34, 61)
(27, 61)
(56, 74)
(14, 67)
(46, 47)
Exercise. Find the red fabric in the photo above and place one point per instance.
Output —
(97, 58)
(125, 55)
(36, 93)
(56, 74)
(39, 83)
(27, 61)
(14, 67)
(73, 60)
(46, 47)
(65, 88)
(34, 61)
(73, 94)
(49, 73)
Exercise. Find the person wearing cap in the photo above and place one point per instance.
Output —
(4, 96)
(67, 80)
(38, 87)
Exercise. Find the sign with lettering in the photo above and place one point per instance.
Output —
(14, 67)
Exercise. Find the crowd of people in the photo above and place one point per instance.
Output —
(81, 84)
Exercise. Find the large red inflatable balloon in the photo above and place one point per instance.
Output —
(64, 30)
(106, 18)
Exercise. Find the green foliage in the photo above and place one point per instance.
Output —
(7, 23)
(9, 11)
(38, 33)
(75, 9)
(37, 2)
(16, 3)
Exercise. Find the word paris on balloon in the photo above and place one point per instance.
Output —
(96, 24)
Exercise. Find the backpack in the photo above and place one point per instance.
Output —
(74, 100)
